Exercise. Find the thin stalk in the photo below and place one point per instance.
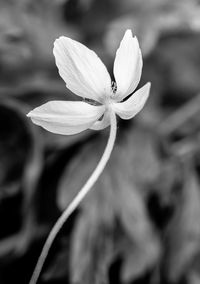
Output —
(76, 201)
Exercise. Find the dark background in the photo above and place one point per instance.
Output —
(141, 222)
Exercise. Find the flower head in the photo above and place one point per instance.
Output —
(86, 76)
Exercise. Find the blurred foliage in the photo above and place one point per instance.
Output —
(140, 223)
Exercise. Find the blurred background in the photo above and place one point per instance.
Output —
(141, 223)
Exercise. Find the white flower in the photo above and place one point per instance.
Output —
(86, 76)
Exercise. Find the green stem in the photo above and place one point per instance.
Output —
(74, 204)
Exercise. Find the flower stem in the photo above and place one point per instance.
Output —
(76, 201)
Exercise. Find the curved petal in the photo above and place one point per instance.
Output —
(66, 117)
(101, 124)
(81, 69)
(127, 66)
(134, 104)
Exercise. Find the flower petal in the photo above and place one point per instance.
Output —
(66, 117)
(127, 66)
(81, 69)
(101, 124)
(134, 104)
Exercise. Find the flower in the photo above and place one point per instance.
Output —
(86, 76)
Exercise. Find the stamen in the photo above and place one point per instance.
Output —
(114, 87)
(91, 102)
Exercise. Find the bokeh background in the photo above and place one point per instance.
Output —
(141, 222)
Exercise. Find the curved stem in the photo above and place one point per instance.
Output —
(74, 204)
